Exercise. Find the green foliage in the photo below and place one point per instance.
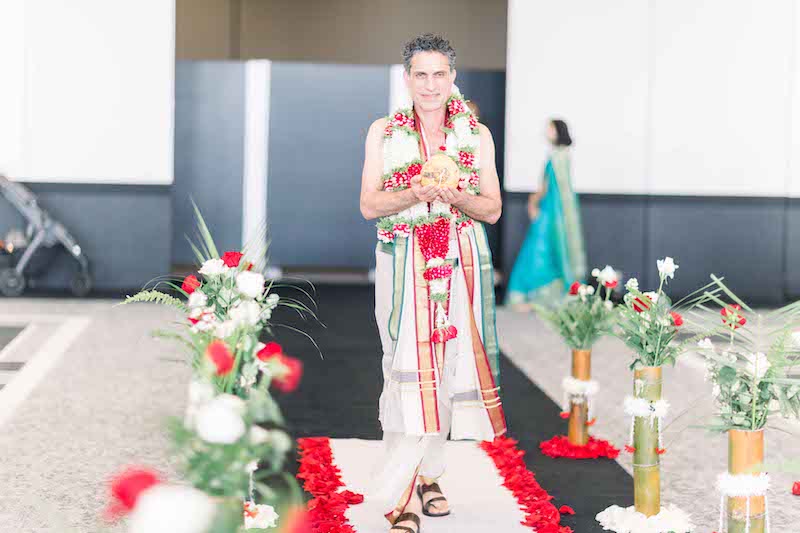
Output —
(154, 296)
(580, 320)
(753, 366)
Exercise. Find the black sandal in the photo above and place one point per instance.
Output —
(423, 489)
(406, 517)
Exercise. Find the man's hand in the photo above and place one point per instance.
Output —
(428, 193)
(450, 196)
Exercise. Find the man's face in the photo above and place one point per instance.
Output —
(430, 80)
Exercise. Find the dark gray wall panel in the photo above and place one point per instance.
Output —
(792, 258)
(487, 88)
(125, 231)
(209, 152)
(742, 239)
(319, 119)
(614, 229)
(514, 225)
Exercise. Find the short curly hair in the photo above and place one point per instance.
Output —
(428, 42)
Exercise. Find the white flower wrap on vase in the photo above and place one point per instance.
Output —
(745, 486)
(643, 408)
(579, 391)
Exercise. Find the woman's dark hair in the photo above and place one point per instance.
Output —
(562, 133)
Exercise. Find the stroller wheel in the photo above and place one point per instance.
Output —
(81, 284)
(11, 283)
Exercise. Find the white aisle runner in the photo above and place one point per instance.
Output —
(477, 498)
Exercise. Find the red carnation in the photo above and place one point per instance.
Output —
(676, 318)
(231, 259)
(270, 350)
(219, 354)
(573, 289)
(640, 305)
(796, 488)
(190, 284)
(126, 488)
(294, 372)
(731, 317)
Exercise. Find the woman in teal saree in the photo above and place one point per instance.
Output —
(553, 254)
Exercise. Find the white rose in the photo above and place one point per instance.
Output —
(272, 300)
(667, 267)
(757, 364)
(595, 272)
(250, 284)
(225, 329)
(265, 516)
(172, 509)
(607, 275)
(653, 296)
(247, 312)
(197, 299)
(213, 267)
(220, 421)
(632, 284)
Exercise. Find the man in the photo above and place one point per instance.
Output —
(434, 300)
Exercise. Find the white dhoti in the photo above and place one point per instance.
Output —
(461, 411)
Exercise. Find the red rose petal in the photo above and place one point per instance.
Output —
(566, 509)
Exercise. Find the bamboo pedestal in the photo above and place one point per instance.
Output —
(578, 434)
(646, 462)
(745, 454)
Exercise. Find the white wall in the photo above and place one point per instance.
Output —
(89, 87)
(685, 97)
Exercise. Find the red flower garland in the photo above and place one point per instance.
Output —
(467, 159)
(440, 272)
(560, 446)
(322, 479)
(540, 515)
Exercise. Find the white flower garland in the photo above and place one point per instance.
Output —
(628, 520)
(579, 391)
(401, 161)
(642, 408)
(742, 486)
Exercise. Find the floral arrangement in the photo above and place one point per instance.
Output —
(750, 360)
(649, 322)
(230, 444)
(584, 315)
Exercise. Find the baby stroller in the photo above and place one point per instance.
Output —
(42, 231)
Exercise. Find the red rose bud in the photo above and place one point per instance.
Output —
(190, 284)
(573, 289)
(219, 354)
(452, 332)
(564, 414)
(676, 318)
(611, 284)
(566, 509)
(126, 488)
(270, 350)
(231, 259)
(796, 488)
(294, 372)
(640, 305)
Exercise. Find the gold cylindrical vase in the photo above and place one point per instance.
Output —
(578, 433)
(745, 456)
(646, 462)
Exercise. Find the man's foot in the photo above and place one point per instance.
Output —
(433, 501)
(406, 523)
